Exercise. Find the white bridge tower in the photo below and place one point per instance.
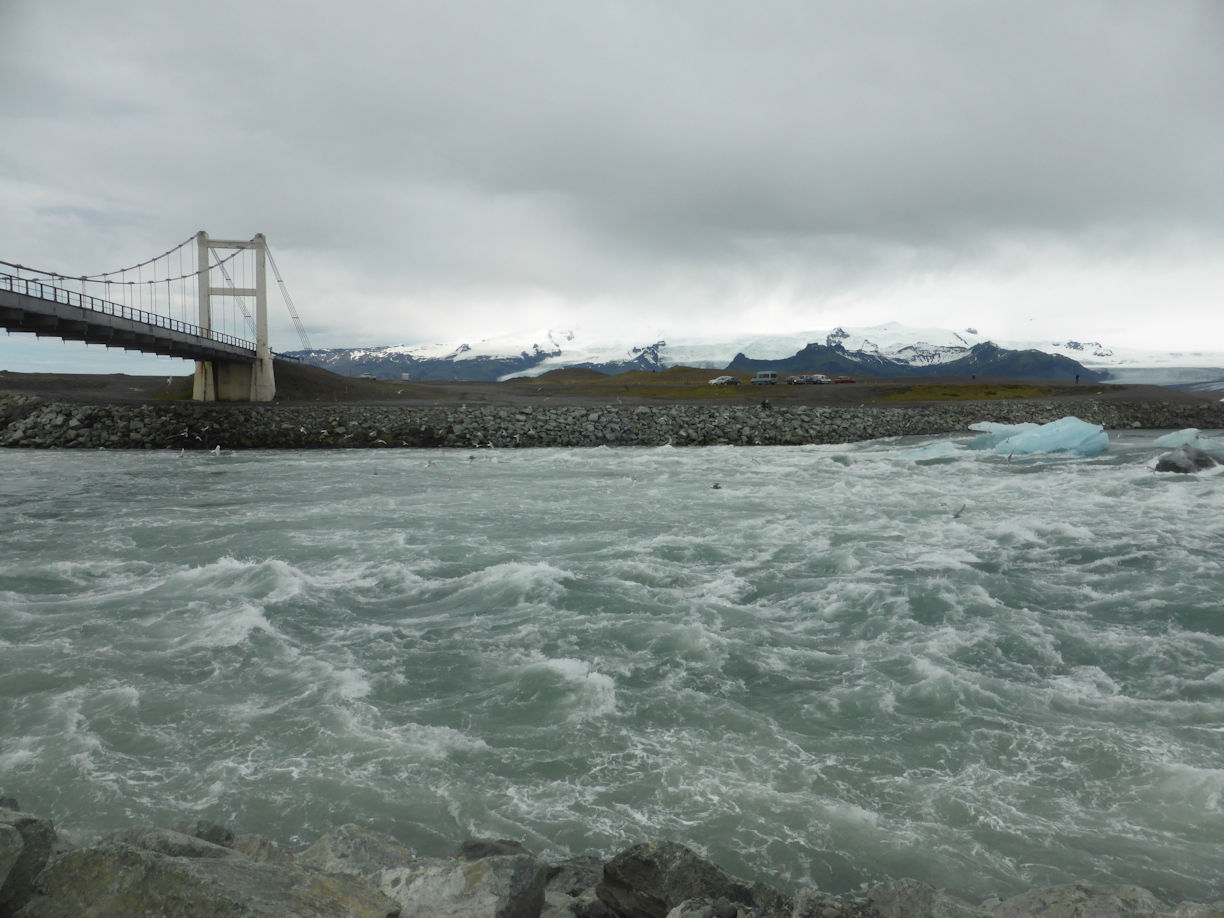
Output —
(228, 380)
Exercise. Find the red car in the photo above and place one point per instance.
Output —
(840, 379)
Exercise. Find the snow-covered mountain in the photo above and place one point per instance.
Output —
(890, 349)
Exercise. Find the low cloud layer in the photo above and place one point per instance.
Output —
(453, 171)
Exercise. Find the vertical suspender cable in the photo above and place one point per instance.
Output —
(297, 322)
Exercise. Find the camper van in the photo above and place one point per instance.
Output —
(765, 378)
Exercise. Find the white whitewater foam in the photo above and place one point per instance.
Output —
(585, 691)
(227, 626)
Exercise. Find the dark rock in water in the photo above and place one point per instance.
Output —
(812, 903)
(912, 898)
(478, 849)
(499, 885)
(209, 831)
(704, 908)
(167, 842)
(649, 880)
(258, 848)
(1186, 459)
(569, 890)
(352, 849)
(27, 844)
(9, 803)
(1082, 900)
(117, 880)
(11, 847)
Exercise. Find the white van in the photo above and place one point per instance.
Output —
(765, 378)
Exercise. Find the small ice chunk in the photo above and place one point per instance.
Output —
(1192, 437)
(1066, 435)
(1187, 437)
(994, 433)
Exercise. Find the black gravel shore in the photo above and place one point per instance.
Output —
(30, 421)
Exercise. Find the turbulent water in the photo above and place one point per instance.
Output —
(841, 664)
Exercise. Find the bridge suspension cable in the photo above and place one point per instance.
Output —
(297, 322)
(181, 289)
(103, 278)
(280, 281)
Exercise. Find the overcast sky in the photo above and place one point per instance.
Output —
(452, 171)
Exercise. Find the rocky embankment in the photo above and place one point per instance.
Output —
(203, 870)
(27, 421)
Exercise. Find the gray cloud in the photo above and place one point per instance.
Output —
(477, 152)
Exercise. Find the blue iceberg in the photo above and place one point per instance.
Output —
(1066, 435)
(994, 433)
(1191, 437)
(1187, 437)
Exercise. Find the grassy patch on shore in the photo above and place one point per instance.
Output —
(684, 383)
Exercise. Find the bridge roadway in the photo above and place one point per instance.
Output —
(44, 309)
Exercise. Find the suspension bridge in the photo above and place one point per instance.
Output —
(190, 302)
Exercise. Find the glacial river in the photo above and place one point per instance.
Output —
(816, 665)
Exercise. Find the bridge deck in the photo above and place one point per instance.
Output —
(43, 309)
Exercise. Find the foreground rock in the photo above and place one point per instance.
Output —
(1185, 459)
(650, 880)
(27, 845)
(118, 880)
(206, 871)
(487, 879)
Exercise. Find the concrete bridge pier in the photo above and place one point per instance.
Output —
(235, 381)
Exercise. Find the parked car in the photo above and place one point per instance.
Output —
(808, 379)
(725, 381)
(765, 378)
(843, 379)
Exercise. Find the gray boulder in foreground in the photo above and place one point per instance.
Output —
(208, 872)
(1090, 900)
(488, 879)
(352, 849)
(26, 846)
(913, 899)
(570, 889)
(1185, 459)
(651, 879)
(116, 880)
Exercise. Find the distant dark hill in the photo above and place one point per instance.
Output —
(394, 364)
(986, 359)
(388, 363)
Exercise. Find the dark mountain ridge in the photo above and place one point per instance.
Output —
(986, 359)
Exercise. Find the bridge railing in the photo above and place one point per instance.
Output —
(51, 293)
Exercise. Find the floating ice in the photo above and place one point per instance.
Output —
(1066, 435)
(995, 433)
(1189, 436)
